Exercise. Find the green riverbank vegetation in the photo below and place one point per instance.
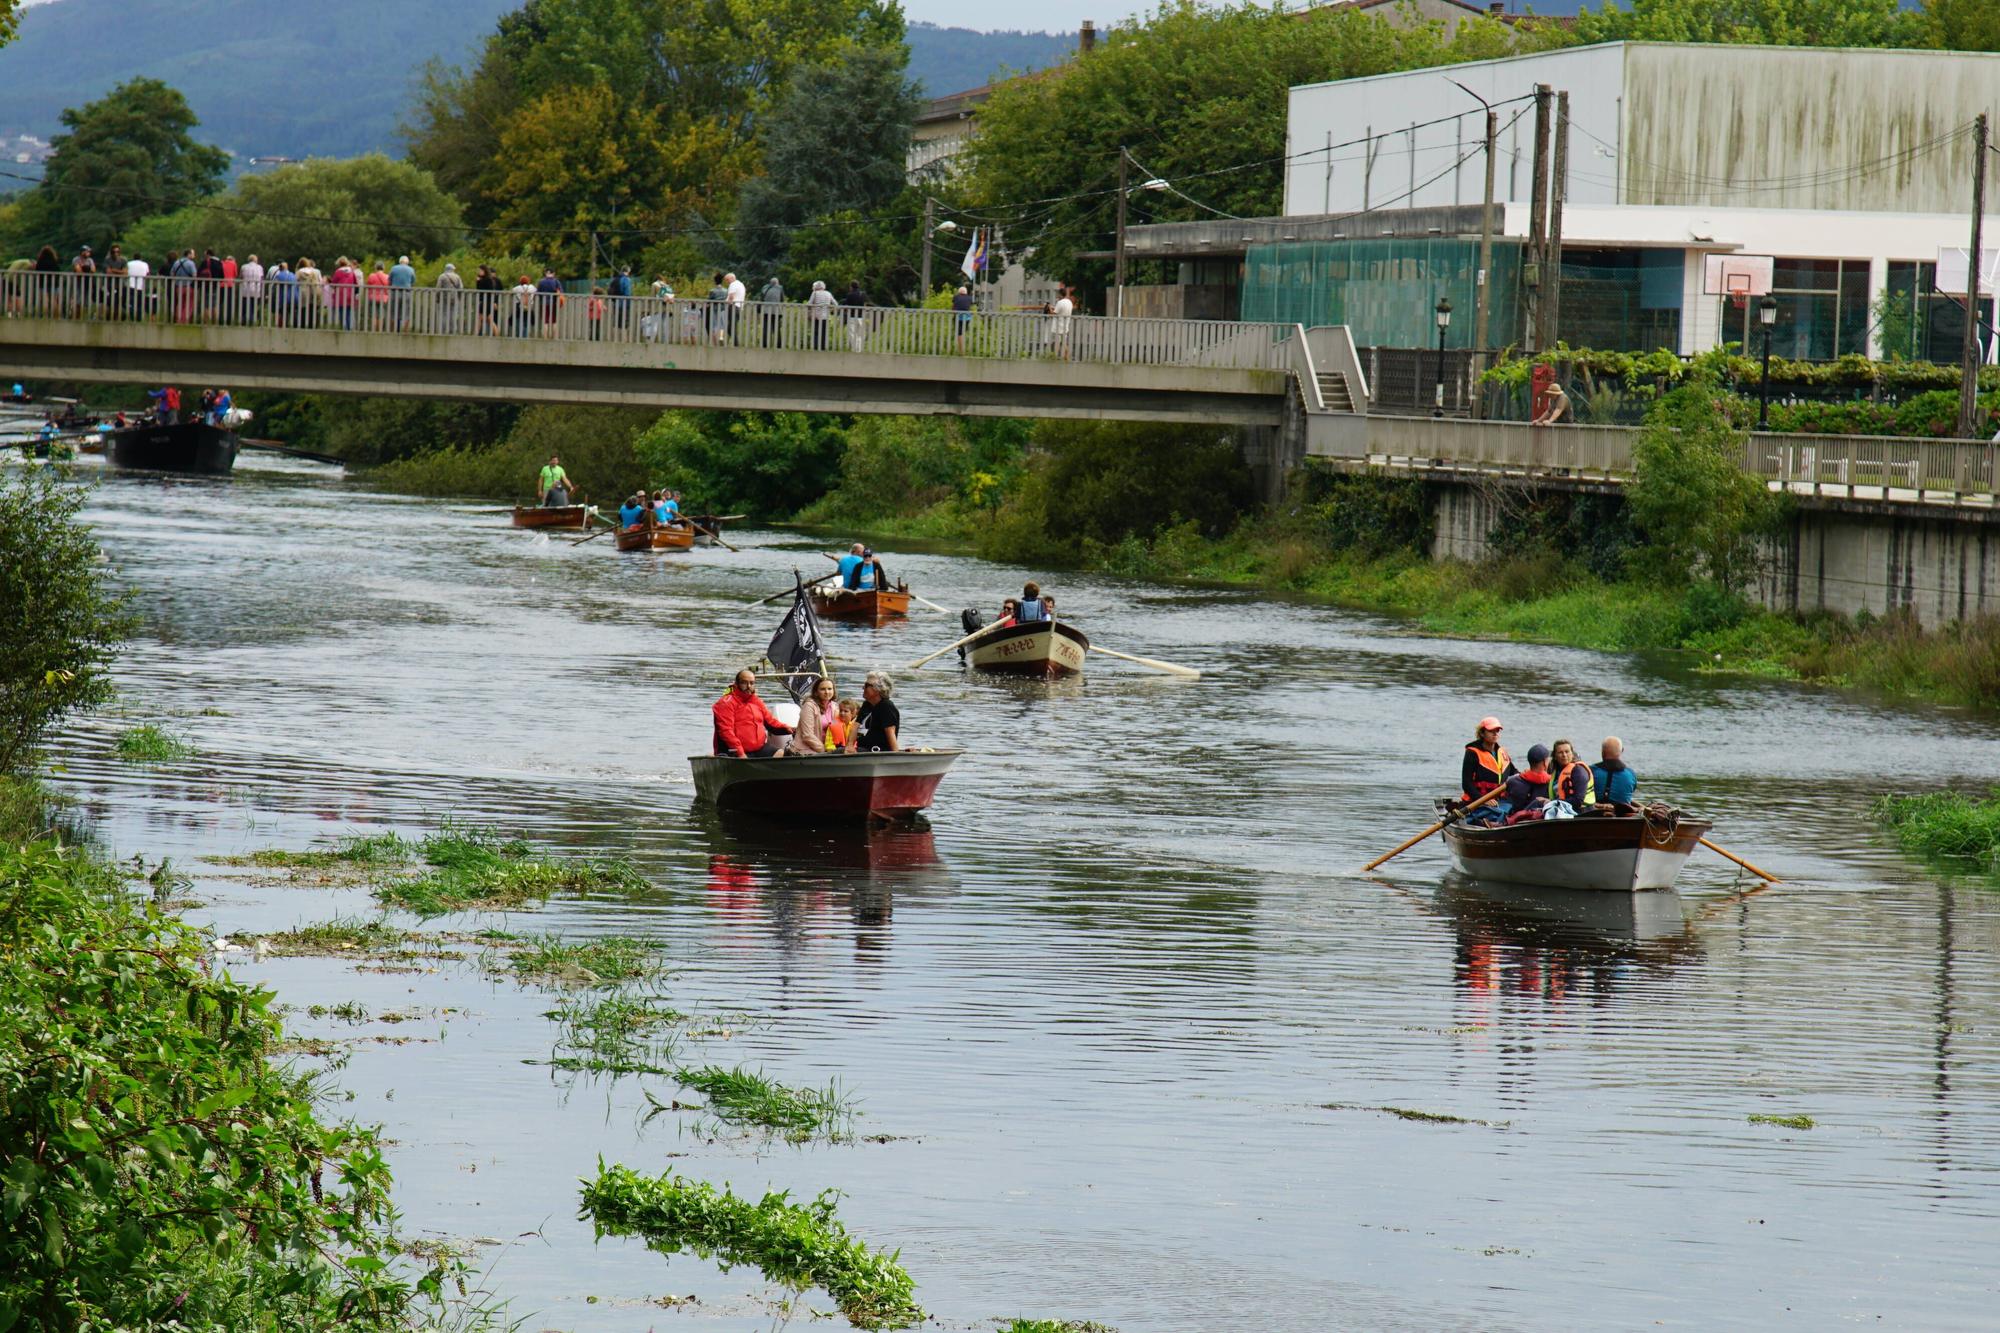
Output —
(1955, 831)
(161, 1162)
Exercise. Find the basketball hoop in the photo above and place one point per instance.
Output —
(1737, 277)
(1737, 287)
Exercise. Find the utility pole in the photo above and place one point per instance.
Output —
(1538, 209)
(1118, 264)
(1968, 387)
(1484, 308)
(924, 292)
(1552, 269)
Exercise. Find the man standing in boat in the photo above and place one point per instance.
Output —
(744, 727)
(554, 484)
(1486, 764)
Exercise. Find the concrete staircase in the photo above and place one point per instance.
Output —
(1334, 391)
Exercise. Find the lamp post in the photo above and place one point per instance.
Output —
(1767, 316)
(1444, 322)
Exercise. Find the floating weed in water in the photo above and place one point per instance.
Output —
(1056, 1326)
(797, 1245)
(739, 1097)
(475, 867)
(342, 935)
(614, 1034)
(1784, 1121)
(1411, 1113)
(357, 854)
(1948, 828)
(605, 961)
(148, 744)
(348, 1012)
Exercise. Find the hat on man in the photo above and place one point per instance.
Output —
(1537, 753)
(1489, 724)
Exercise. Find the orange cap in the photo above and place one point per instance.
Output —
(1489, 724)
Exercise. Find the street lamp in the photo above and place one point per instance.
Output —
(1444, 322)
(1767, 315)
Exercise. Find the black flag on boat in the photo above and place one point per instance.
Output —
(796, 647)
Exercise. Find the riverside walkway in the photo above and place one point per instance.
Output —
(645, 351)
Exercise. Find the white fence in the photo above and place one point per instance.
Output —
(310, 300)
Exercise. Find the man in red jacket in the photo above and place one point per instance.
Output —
(743, 725)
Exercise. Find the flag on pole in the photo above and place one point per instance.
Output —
(796, 647)
(975, 255)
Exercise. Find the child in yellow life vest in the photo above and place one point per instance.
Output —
(840, 732)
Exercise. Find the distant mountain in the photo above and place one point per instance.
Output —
(331, 79)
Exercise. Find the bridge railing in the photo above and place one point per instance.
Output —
(315, 303)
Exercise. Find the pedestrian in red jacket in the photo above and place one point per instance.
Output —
(743, 725)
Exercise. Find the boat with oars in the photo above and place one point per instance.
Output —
(1043, 649)
(552, 516)
(884, 785)
(655, 537)
(185, 446)
(869, 606)
(1611, 853)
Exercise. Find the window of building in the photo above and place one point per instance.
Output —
(1822, 311)
(1620, 300)
(1919, 324)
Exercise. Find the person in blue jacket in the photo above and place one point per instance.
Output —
(633, 512)
(857, 568)
(1616, 783)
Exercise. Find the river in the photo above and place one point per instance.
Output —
(1123, 1007)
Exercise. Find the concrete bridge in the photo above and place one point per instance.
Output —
(644, 352)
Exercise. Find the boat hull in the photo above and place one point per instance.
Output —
(870, 606)
(187, 446)
(1625, 855)
(549, 516)
(884, 784)
(1045, 649)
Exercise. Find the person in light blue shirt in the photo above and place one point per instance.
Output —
(664, 508)
(857, 568)
(402, 278)
(1616, 784)
(633, 512)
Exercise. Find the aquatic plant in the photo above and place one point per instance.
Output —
(338, 936)
(148, 744)
(1019, 1325)
(605, 961)
(614, 1034)
(1784, 1121)
(1947, 827)
(1413, 1114)
(740, 1097)
(799, 1245)
(470, 866)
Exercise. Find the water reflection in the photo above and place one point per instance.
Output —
(1557, 944)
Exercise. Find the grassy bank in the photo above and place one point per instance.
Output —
(1951, 830)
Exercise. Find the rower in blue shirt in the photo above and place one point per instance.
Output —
(857, 568)
(633, 512)
(1616, 784)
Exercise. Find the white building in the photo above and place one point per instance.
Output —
(1851, 168)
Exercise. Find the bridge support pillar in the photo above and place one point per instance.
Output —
(1273, 452)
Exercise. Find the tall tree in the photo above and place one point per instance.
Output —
(837, 140)
(127, 156)
(1964, 25)
(1761, 22)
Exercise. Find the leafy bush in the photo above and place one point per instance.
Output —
(596, 444)
(767, 464)
(1699, 511)
(62, 620)
(156, 1167)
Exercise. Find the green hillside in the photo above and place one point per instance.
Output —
(331, 79)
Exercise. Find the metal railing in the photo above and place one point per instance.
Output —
(314, 302)
(1861, 467)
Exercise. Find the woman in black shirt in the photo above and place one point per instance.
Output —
(876, 725)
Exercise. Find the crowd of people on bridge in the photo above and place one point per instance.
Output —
(1556, 784)
(202, 287)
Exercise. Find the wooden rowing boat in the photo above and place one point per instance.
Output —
(883, 784)
(1049, 649)
(550, 516)
(187, 446)
(871, 606)
(1625, 854)
(659, 537)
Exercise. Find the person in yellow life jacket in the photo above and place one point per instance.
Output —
(1486, 764)
(1571, 780)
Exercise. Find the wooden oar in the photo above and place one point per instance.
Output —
(1189, 672)
(982, 630)
(789, 591)
(1764, 875)
(1433, 829)
(932, 605)
(715, 537)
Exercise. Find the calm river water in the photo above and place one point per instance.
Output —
(1107, 1004)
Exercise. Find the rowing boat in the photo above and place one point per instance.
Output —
(187, 446)
(871, 605)
(1622, 854)
(1049, 649)
(661, 537)
(550, 516)
(885, 784)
